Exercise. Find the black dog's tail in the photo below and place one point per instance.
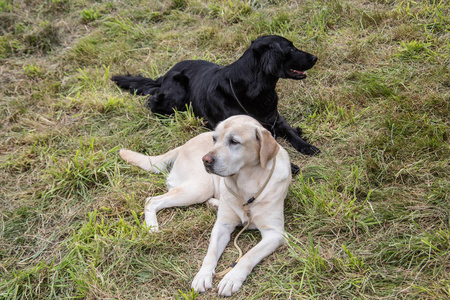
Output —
(137, 85)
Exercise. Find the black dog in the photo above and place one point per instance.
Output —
(246, 86)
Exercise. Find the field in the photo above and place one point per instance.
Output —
(368, 218)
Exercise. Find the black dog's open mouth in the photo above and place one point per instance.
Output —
(296, 74)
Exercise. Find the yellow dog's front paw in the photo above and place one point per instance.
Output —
(202, 281)
(231, 283)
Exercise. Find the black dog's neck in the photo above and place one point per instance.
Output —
(269, 126)
(252, 90)
(248, 69)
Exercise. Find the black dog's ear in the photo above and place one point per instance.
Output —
(266, 47)
(272, 60)
(259, 49)
(276, 46)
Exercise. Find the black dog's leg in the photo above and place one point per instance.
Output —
(283, 129)
(294, 169)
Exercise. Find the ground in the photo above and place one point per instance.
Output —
(368, 218)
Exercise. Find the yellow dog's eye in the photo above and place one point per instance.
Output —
(234, 142)
(214, 139)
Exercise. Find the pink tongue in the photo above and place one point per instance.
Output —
(297, 72)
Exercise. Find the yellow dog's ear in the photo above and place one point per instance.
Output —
(268, 146)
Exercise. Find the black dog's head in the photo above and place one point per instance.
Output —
(277, 56)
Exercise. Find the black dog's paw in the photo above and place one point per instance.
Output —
(294, 169)
(309, 150)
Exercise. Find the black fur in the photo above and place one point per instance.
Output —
(246, 86)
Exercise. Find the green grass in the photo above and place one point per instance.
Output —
(368, 218)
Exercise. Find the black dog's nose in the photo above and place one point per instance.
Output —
(207, 160)
(314, 58)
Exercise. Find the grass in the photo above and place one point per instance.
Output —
(368, 218)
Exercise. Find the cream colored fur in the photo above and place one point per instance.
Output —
(242, 154)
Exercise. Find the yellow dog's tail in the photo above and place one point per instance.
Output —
(155, 164)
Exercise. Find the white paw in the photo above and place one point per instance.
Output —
(152, 228)
(213, 203)
(202, 281)
(126, 154)
(231, 283)
(151, 221)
